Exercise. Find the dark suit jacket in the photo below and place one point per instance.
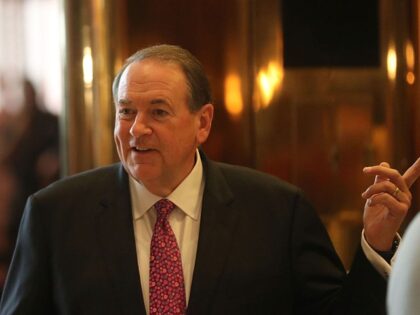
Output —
(261, 250)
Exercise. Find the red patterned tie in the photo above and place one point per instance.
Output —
(166, 281)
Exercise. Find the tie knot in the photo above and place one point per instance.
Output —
(163, 208)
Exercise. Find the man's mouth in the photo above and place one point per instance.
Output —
(141, 149)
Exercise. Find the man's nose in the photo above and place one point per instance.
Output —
(140, 126)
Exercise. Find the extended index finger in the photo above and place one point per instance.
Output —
(412, 173)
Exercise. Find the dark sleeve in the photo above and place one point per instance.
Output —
(320, 282)
(28, 288)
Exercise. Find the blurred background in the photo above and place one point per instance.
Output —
(310, 91)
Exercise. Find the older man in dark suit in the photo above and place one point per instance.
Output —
(168, 231)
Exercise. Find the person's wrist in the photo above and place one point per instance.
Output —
(379, 242)
(388, 254)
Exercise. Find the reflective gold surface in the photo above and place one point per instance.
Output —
(89, 69)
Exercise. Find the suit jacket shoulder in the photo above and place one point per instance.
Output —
(250, 185)
(248, 177)
(88, 183)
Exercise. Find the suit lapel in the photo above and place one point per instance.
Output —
(218, 220)
(116, 241)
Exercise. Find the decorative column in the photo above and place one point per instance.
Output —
(91, 53)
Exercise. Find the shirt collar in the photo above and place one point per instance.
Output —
(187, 196)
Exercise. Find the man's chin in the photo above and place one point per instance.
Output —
(142, 173)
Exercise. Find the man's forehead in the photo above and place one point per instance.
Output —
(150, 71)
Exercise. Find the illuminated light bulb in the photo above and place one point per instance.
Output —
(392, 64)
(410, 78)
(269, 80)
(87, 66)
(233, 96)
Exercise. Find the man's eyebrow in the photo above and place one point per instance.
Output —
(124, 101)
(158, 101)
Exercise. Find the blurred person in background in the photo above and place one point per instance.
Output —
(34, 155)
(29, 158)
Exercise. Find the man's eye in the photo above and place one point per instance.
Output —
(125, 112)
(159, 113)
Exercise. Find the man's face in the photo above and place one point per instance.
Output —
(155, 133)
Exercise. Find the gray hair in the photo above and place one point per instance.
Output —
(197, 81)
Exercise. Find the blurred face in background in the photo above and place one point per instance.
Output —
(12, 95)
(155, 132)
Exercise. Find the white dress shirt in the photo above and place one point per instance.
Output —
(184, 221)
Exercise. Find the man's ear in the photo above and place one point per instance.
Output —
(205, 118)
